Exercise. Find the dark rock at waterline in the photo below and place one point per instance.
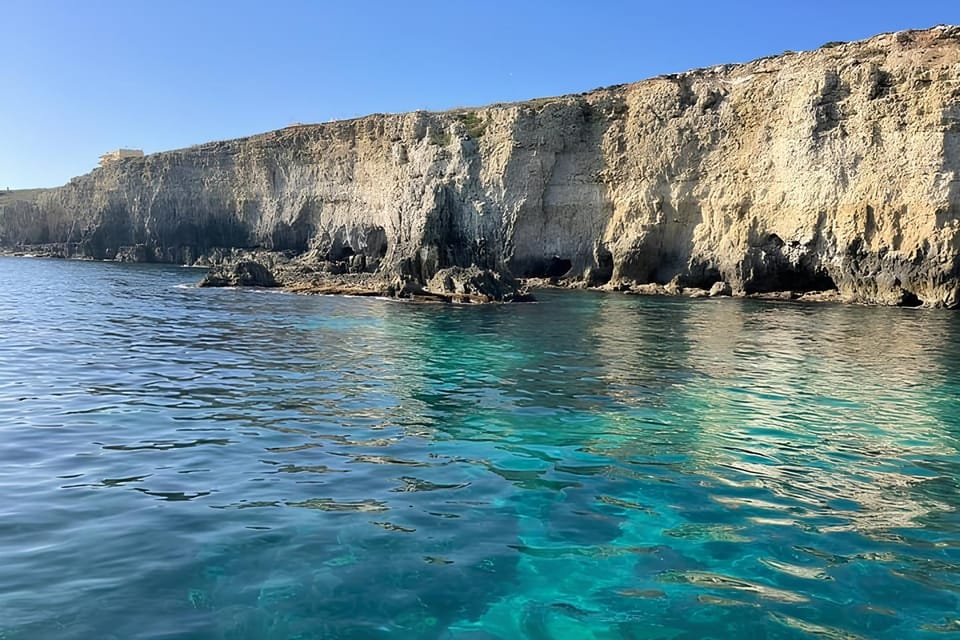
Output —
(475, 284)
(239, 274)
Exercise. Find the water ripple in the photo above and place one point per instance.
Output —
(256, 466)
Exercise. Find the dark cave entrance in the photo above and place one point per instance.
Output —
(553, 267)
(806, 281)
(601, 274)
(910, 299)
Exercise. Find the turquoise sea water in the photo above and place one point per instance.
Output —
(181, 463)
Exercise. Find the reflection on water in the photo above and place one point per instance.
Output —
(189, 463)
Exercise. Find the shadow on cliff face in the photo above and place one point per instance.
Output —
(113, 230)
(116, 237)
(602, 271)
(216, 232)
(774, 265)
(294, 235)
(828, 106)
(445, 243)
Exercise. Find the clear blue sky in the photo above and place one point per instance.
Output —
(78, 78)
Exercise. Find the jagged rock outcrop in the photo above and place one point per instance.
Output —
(835, 169)
(244, 273)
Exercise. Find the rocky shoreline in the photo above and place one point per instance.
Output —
(460, 286)
(456, 284)
(305, 274)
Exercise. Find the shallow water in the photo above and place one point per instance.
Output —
(188, 463)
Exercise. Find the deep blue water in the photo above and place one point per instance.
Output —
(182, 463)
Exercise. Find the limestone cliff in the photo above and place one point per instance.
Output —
(835, 168)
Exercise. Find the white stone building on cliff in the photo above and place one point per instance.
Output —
(119, 154)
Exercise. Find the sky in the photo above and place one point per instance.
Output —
(80, 78)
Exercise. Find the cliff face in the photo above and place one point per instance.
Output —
(836, 168)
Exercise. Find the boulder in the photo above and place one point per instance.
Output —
(239, 274)
(695, 292)
(477, 285)
(720, 289)
(649, 289)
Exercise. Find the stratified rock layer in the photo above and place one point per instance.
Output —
(831, 169)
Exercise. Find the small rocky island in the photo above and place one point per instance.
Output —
(829, 174)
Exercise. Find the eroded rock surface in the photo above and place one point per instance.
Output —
(244, 273)
(834, 170)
